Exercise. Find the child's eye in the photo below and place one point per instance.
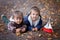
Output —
(17, 18)
(36, 14)
(20, 18)
(33, 14)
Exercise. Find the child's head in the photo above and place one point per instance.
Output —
(18, 17)
(34, 13)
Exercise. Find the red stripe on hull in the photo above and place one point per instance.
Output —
(47, 30)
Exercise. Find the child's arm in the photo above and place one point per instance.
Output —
(39, 26)
(30, 28)
(11, 27)
(23, 28)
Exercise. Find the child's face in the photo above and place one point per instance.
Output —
(18, 19)
(34, 15)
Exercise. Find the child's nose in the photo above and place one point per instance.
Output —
(18, 20)
(34, 15)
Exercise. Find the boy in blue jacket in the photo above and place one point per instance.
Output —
(33, 20)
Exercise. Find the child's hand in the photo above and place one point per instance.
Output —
(36, 29)
(33, 29)
(18, 30)
(23, 30)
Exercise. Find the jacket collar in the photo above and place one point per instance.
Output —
(35, 23)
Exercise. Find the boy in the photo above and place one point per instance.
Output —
(17, 26)
(33, 20)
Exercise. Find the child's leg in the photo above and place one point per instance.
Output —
(5, 19)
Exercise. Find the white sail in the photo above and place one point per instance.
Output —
(48, 25)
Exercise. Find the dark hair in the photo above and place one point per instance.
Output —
(19, 13)
(36, 9)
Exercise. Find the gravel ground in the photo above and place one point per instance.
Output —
(39, 35)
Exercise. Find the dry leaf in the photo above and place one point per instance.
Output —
(40, 35)
(49, 38)
(29, 37)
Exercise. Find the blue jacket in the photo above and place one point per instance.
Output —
(29, 27)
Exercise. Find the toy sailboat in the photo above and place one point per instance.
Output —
(48, 27)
